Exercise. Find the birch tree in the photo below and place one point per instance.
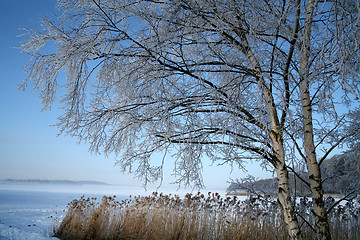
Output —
(229, 80)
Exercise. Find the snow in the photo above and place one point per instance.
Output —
(7, 232)
(31, 211)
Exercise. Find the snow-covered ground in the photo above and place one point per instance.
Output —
(31, 211)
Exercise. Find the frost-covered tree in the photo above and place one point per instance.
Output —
(353, 133)
(341, 174)
(229, 80)
(351, 157)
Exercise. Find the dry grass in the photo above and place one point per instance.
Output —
(170, 217)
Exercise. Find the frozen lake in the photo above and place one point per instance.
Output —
(30, 211)
(37, 208)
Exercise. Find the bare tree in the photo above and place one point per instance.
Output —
(230, 80)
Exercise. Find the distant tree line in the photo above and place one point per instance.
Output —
(340, 175)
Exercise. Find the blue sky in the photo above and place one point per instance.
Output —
(29, 146)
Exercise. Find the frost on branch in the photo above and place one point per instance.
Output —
(215, 79)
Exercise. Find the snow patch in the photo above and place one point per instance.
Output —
(11, 233)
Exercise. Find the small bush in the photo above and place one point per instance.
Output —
(195, 217)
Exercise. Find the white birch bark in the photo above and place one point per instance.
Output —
(276, 135)
(322, 225)
(284, 196)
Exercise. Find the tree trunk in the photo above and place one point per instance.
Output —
(276, 135)
(284, 195)
(286, 203)
(321, 222)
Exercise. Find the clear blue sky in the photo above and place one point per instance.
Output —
(29, 146)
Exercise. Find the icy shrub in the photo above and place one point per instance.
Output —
(170, 217)
(344, 219)
(195, 217)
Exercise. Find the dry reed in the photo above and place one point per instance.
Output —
(194, 217)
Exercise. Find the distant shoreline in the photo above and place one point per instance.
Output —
(45, 181)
